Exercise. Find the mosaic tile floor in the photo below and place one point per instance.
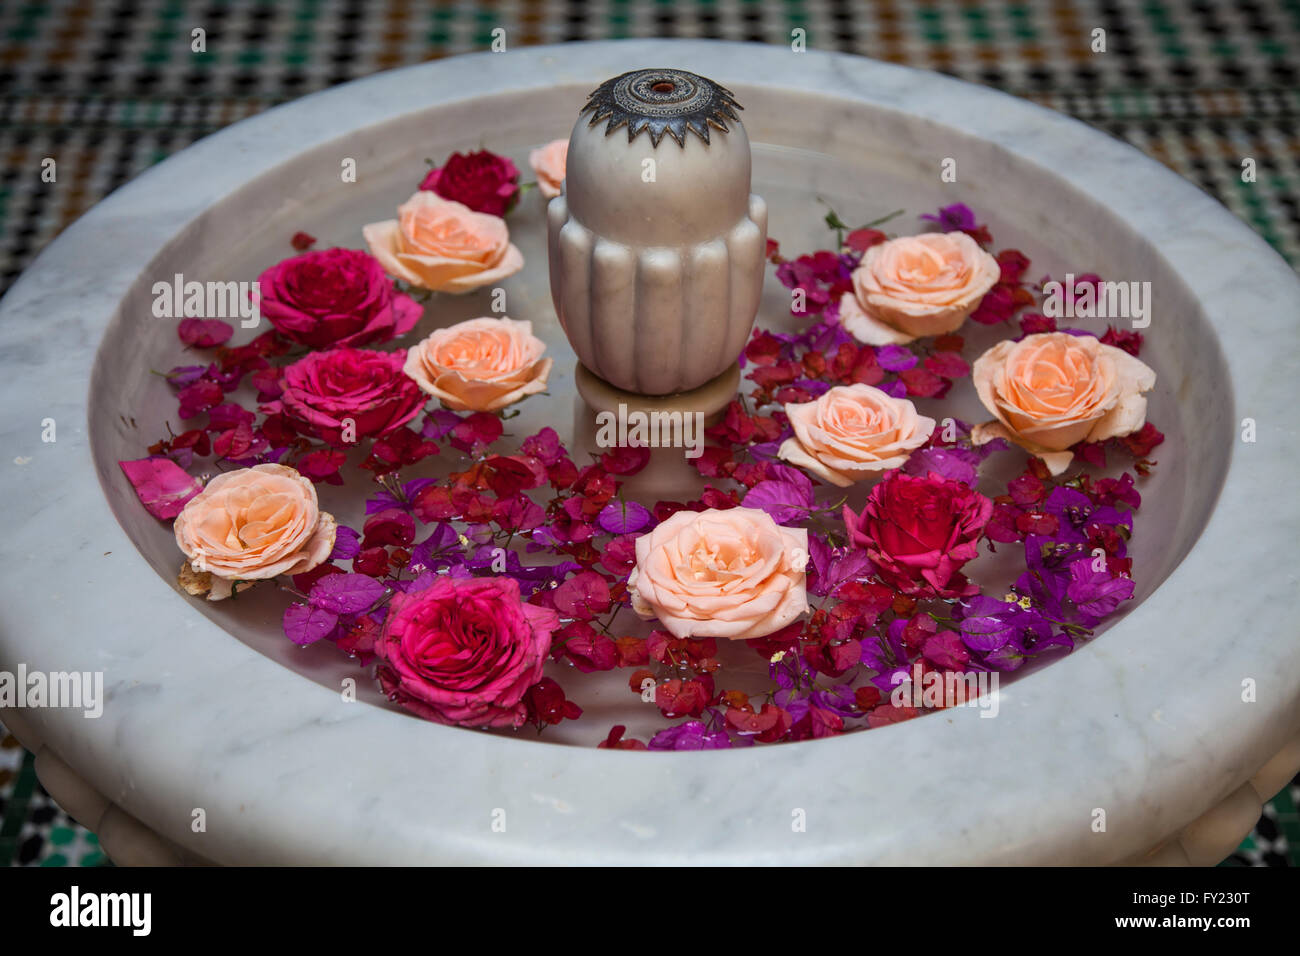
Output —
(108, 88)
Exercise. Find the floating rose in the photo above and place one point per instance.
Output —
(549, 164)
(335, 297)
(439, 244)
(482, 180)
(734, 573)
(915, 286)
(920, 531)
(853, 432)
(1052, 390)
(480, 365)
(464, 651)
(252, 524)
(344, 395)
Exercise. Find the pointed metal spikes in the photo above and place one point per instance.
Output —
(662, 101)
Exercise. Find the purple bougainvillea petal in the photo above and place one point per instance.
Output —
(986, 633)
(691, 735)
(183, 375)
(438, 423)
(162, 486)
(1096, 593)
(304, 624)
(943, 462)
(956, 216)
(784, 500)
(894, 389)
(895, 358)
(623, 517)
(850, 566)
(346, 544)
(346, 593)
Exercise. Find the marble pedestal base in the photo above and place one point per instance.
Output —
(709, 400)
(672, 426)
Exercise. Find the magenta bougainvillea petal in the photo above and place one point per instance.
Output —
(204, 333)
(163, 488)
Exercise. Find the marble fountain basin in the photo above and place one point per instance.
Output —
(209, 707)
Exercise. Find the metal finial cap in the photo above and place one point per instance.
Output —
(662, 101)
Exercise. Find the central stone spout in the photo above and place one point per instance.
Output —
(657, 246)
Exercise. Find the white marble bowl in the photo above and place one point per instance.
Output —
(211, 708)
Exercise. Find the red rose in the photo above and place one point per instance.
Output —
(335, 297)
(483, 181)
(324, 391)
(920, 531)
(465, 651)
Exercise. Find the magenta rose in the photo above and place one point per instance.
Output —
(325, 391)
(921, 530)
(335, 297)
(483, 181)
(464, 651)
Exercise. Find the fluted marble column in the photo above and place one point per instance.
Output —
(657, 246)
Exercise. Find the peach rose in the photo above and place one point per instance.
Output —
(438, 244)
(1052, 390)
(853, 432)
(734, 573)
(915, 286)
(480, 365)
(254, 523)
(548, 163)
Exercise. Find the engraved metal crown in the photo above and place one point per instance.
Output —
(662, 101)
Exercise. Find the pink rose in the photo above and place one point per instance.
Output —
(464, 651)
(480, 365)
(853, 432)
(254, 523)
(919, 531)
(731, 573)
(438, 244)
(335, 297)
(548, 164)
(483, 181)
(325, 391)
(1052, 390)
(915, 286)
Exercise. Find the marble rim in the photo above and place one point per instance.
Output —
(286, 774)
